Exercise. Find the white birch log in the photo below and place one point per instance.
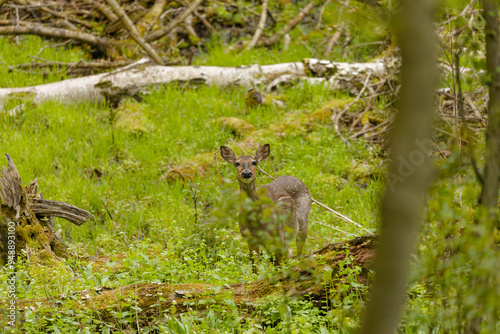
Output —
(142, 75)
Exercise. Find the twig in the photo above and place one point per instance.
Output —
(369, 129)
(449, 133)
(336, 118)
(378, 133)
(260, 26)
(174, 23)
(276, 37)
(339, 215)
(332, 227)
(129, 25)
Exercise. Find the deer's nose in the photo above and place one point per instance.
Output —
(246, 174)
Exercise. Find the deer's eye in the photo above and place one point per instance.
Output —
(254, 163)
(237, 164)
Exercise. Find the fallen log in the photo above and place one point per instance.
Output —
(317, 277)
(30, 218)
(141, 75)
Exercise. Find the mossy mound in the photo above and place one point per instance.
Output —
(235, 125)
(130, 117)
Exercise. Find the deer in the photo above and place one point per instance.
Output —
(290, 201)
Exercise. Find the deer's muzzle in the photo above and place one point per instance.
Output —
(246, 174)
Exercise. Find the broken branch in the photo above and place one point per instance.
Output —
(276, 37)
(174, 23)
(129, 25)
(28, 28)
(260, 26)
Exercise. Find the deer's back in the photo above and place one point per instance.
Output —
(290, 186)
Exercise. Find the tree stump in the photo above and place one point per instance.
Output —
(27, 220)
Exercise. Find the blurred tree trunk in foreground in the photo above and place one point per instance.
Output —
(489, 194)
(489, 191)
(410, 170)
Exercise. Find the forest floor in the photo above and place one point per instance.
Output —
(153, 228)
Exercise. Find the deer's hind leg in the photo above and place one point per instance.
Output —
(302, 208)
(288, 229)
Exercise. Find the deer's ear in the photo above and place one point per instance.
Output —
(262, 152)
(227, 154)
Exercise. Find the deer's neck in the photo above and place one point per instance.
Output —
(250, 190)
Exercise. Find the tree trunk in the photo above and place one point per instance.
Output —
(489, 191)
(409, 173)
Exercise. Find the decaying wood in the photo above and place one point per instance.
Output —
(139, 76)
(14, 196)
(306, 280)
(27, 210)
(11, 186)
(73, 214)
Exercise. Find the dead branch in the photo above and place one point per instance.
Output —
(276, 37)
(92, 65)
(73, 214)
(174, 23)
(13, 196)
(205, 22)
(260, 26)
(332, 41)
(27, 28)
(188, 24)
(129, 25)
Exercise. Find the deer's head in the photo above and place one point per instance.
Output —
(246, 165)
